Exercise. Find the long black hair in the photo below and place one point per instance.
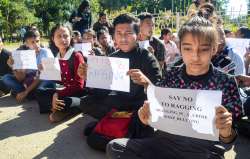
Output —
(83, 5)
(52, 45)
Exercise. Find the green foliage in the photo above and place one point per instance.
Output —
(14, 15)
(51, 12)
(45, 13)
(95, 8)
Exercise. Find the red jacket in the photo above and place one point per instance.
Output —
(73, 84)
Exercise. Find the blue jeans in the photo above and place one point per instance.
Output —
(12, 83)
(16, 86)
(46, 84)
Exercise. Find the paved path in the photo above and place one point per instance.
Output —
(25, 134)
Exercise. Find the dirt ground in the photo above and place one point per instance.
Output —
(25, 134)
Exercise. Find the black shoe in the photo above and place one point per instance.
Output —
(89, 128)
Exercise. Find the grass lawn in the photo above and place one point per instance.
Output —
(14, 45)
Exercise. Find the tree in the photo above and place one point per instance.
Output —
(51, 12)
(56, 11)
(14, 15)
(111, 5)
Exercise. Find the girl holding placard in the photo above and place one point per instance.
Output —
(61, 100)
(198, 43)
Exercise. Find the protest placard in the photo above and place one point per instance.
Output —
(51, 69)
(108, 73)
(239, 45)
(144, 44)
(184, 112)
(85, 48)
(24, 59)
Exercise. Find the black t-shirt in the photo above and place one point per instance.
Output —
(98, 26)
(84, 23)
(109, 50)
(159, 48)
(4, 67)
(172, 146)
(139, 59)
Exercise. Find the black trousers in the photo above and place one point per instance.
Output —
(247, 107)
(4, 88)
(44, 99)
(98, 106)
(152, 148)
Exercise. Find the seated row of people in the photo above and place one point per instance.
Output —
(198, 47)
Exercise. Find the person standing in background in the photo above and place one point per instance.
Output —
(194, 7)
(171, 48)
(81, 18)
(102, 23)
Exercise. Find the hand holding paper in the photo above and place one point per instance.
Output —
(144, 113)
(108, 73)
(82, 70)
(85, 48)
(224, 121)
(51, 69)
(184, 112)
(24, 59)
(138, 77)
(144, 44)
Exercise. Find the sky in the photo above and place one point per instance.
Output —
(236, 6)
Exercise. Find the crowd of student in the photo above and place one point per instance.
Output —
(196, 58)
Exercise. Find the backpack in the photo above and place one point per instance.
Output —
(114, 125)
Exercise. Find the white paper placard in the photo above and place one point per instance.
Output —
(85, 48)
(239, 45)
(184, 112)
(144, 44)
(108, 73)
(24, 59)
(51, 69)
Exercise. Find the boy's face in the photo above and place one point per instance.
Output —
(33, 43)
(147, 27)
(77, 39)
(125, 37)
(196, 54)
(87, 38)
(221, 41)
(104, 39)
(103, 19)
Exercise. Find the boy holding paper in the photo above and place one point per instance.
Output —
(146, 33)
(198, 42)
(100, 102)
(89, 36)
(25, 81)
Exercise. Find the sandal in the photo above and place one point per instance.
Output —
(58, 116)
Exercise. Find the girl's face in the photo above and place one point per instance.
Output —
(167, 37)
(196, 54)
(62, 38)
